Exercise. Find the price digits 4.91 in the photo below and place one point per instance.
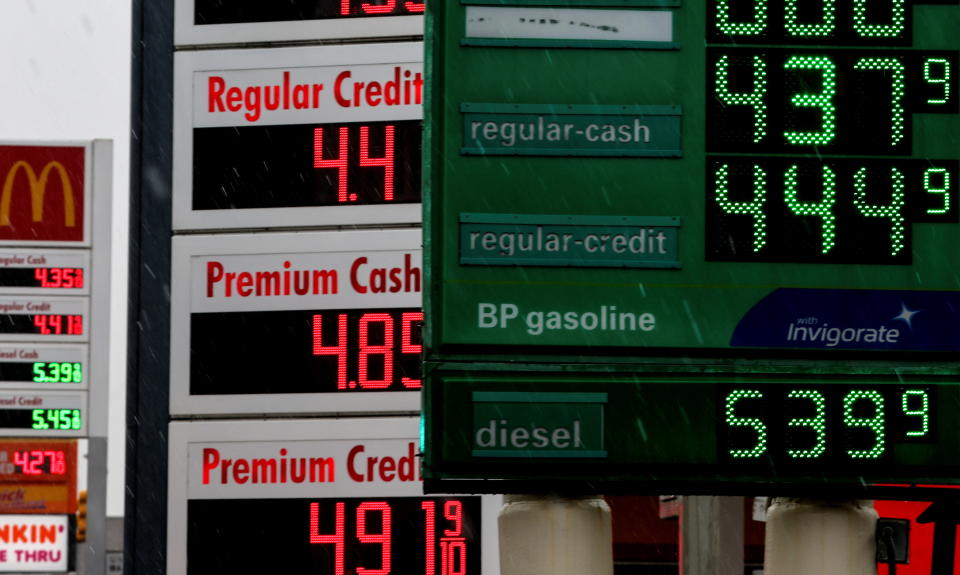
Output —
(840, 424)
(444, 538)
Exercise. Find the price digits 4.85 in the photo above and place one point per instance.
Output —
(840, 424)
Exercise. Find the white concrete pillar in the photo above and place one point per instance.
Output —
(809, 537)
(711, 535)
(544, 535)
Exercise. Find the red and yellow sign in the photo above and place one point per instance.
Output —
(42, 193)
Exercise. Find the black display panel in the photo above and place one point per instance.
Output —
(65, 278)
(305, 351)
(829, 101)
(240, 11)
(303, 165)
(395, 535)
(41, 419)
(42, 371)
(880, 22)
(838, 425)
(777, 209)
(42, 324)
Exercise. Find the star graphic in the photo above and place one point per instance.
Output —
(906, 314)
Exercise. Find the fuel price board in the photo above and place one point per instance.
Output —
(347, 499)
(298, 137)
(784, 175)
(312, 322)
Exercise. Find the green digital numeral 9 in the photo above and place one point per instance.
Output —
(875, 422)
(937, 71)
(916, 403)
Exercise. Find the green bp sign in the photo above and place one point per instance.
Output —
(652, 174)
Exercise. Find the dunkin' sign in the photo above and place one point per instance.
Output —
(42, 193)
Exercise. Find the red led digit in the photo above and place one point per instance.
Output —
(40, 274)
(366, 350)
(336, 537)
(453, 556)
(56, 277)
(75, 324)
(339, 350)
(40, 321)
(430, 537)
(414, 6)
(383, 538)
(340, 163)
(344, 7)
(407, 346)
(78, 278)
(56, 324)
(57, 464)
(386, 162)
(22, 459)
(370, 8)
(67, 278)
(453, 511)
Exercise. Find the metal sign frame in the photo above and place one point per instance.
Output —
(188, 64)
(188, 33)
(183, 434)
(185, 248)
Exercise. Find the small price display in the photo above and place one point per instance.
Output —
(42, 365)
(310, 165)
(41, 419)
(40, 462)
(57, 372)
(428, 536)
(842, 425)
(55, 319)
(215, 12)
(323, 351)
(26, 270)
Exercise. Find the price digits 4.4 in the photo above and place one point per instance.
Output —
(444, 553)
(59, 419)
(804, 424)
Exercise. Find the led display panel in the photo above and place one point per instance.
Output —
(217, 22)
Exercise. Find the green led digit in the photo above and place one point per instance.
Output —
(77, 373)
(76, 422)
(943, 78)
(818, 423)
(754, 28)
(823, 100)
(874, 423)
(38, 421)
(822, 209)
(943, 188)
(923, 412)
(893, 211)
(824, 28)
(39, 375)
(55, 373)
(898, 20)
(755, 423)
(752, 208)
(755, 99)
(893, 69)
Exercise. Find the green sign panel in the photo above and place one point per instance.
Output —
(672, 430)
(810, 153)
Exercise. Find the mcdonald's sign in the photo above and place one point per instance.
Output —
(42, 193)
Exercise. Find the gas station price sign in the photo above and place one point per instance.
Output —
(752, 432)
(812, 181)
(337, 314)
(347, 500)
(298, 137)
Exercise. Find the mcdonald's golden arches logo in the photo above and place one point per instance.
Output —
(41, 197)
